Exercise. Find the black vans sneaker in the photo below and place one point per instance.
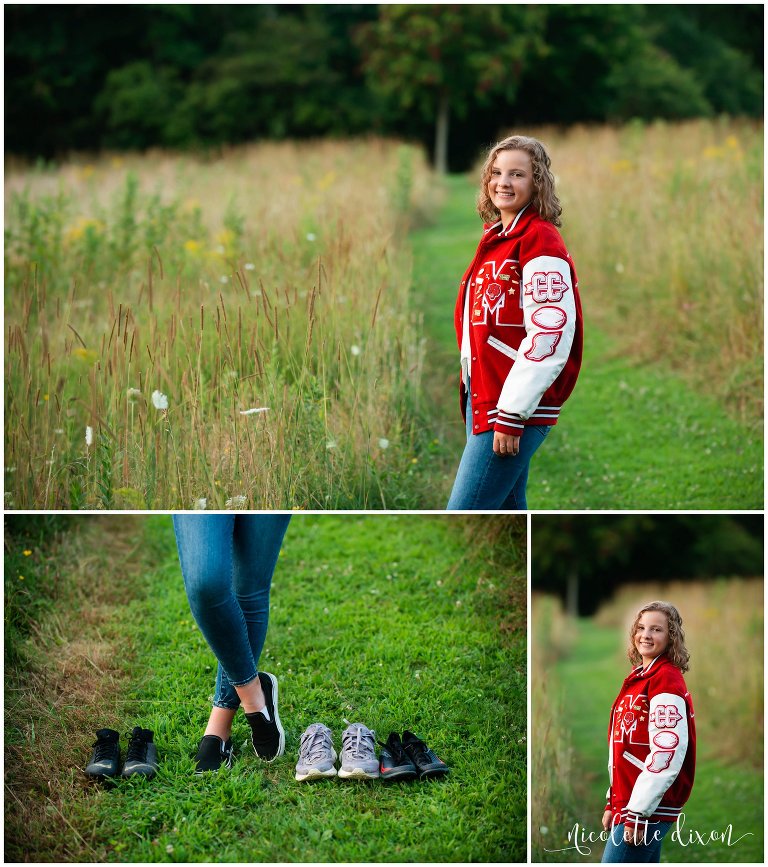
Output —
(427, 763)
(394, 763)
(105, 760)
(267, 735)
(214, 754)
(141, 758)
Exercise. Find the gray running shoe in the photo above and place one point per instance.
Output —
(358, 753)
(316, 754)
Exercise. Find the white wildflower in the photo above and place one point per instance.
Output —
(355, 350)
(169, 848)
(133, 393)
(254, 410)
(543, 830)
(200, 503)
(236, 502)
(58, 430)
(311, 236)
(88, 435)
(249, 266)
(331, 444)
(383, 443)
(159, 400)
(223, 279)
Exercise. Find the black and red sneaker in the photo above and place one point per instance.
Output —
(394, 763)
(427, 763)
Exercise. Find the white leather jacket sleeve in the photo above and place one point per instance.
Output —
(549, 314)
(668, 741)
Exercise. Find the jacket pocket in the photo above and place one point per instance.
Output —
(633, 760)
(502, 347)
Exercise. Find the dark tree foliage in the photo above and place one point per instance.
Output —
(604, 552)
(88, 77)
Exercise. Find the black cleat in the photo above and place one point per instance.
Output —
(394, 763)
(267, 735)
(427, 763)
(105, 759)
(141, 758)
(213, 754)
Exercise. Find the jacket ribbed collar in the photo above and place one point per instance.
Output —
(496, 231)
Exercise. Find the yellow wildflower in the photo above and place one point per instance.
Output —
(621, 166)
(82, 226)
(326, 181)
(27, 553)
(87, 355)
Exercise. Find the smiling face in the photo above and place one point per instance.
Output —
(511, 184)
(651, 635)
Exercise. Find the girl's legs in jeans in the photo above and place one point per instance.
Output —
(486, 480)
(227, 562)
(649, 852)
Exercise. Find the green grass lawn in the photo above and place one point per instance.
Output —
(723, 794)
(630, 437)
(394, 621)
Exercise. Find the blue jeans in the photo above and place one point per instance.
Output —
(486, 480)
(619, 852)
(227, 563)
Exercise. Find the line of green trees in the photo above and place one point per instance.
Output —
(584, 558)
(83, 77)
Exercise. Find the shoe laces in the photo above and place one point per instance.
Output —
(358, 741)
(316, 743)
(417, 749)
(104, 750)
(137, 745)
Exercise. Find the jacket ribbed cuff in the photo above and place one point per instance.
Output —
(509, 423)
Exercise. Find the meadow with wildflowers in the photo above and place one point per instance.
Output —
(247, 330)
(232, 331)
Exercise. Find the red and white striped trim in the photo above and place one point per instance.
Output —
(511, 423)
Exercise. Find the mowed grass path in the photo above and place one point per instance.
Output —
(386, 620)
(723, 793)
(631, 436)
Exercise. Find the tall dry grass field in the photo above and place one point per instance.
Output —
(665, 224)
(225, 332)
(723, 624)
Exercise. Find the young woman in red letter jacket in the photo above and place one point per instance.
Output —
(518, 325)
(651, 739)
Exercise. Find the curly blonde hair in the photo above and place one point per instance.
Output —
(544, 199)
(676, 650)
